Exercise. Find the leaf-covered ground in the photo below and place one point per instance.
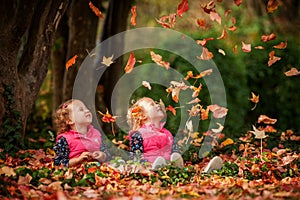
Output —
(246, 174)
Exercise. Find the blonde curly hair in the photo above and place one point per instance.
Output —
(61, 116)
(137, 115)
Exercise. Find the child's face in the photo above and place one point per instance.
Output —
(153, 110)
(79, 114)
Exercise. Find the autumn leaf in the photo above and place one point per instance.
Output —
(201, 23)
(238, 2)
(219, 129)
(7, 171)
(196, 100)
(107, 60)
(234, 49)
(259, 47)
(266, 38)
(130, 63)
(259, 134)
(292, 72)
(210, 7)
(266, 120)
(146, 84)
(167, 21)
(218, 111)
(205, 55)
(158, 60)
(107, 117)
(204, 113)
(71, 62)
(224, 34)
(254, 99)
(96, 10)
(272, 6)
(171, 109)
(221, 51)
(227, 142)
(214, 16)
(281, 45)
(273, 58)
(246, 47)
(232, 28)
(204, 41)
(182, 7)
(196, 90)
(133, 17)
(227, 12)
(269, 129)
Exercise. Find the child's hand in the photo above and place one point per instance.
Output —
(86, 156)
(99, 155)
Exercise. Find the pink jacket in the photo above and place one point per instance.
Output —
(79, 143)
(156, 142)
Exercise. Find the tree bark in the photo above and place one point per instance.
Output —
(26, 38)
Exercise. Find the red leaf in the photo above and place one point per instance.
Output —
(71, 62)
(167, 21)
(210, 7)
(238, 2)
(281, 45)
(227, 13)
(272, 58)
(133, 17)
(266, 38)
(107, 117)
(272, 6)
(96, 10)
(182, 7)
(173, 110)
(130, 63)
(232, 28)
(201, 23)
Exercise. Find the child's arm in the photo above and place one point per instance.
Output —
(62, 151)
(136, 146)
(175, 147)
(85, 156)
(105, 150)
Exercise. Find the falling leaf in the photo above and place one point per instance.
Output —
(204, 41)
(219, 129)
(234, 49)
(224, 34)
(266, 38)
(201, 23)
(180, 85)
(214, 16)
(238, 2)
(281, 45)
(175, 94)
(259, 47)
(266, 120)
(227, 12)
(147, 85)
(206, 55)
(171, 109)
(196, 90)
(71, 62)
(292, 72)
(272, 6)
(258, 134)
(182, 7)
(218, 111)
(189, 126)
(158, 60)
(246, 47)
(269, 129)
(221, 51)
(210, 7)
(130, 63)
(273, 58)
(254, 99)
(96, 10)
(227, 142)
(107, 60)
(196, 100)
(167, 21)
(107, 117)
(133, 17)
(232, 28)
(204, 113)
(195, 110)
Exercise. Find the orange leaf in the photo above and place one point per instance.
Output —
(232, 28)
(266, 38)
(273, 58)
(259, 47)
(167, 21)
(234, 49)
(201, 23)
(270, 129)
(204, 41)
(173, 110)
(96, 10)
(254, 99)
(281, 45)
(292, 72)
(238, 2)
(266, 120)
(218, 111)
(206, 55)
(130, 63)
(133, 17)
(246, 47)
(107, 117)
(196, 90)
(272, 5)
(204, 114)
(158, 60)
(224, 34)
(210, 7)
(71, 62)
(182, 7)
(227, 13)
(227, 142)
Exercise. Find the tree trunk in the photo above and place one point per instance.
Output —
(27, 31)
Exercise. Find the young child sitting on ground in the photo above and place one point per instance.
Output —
(77, 140)
(150, 140)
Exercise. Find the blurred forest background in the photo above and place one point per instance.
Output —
(79, 31)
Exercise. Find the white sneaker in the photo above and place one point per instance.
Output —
(214, 164)
(159, 162)
(177, 160)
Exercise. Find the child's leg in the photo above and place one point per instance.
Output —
(214, 164)
(158, 162)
